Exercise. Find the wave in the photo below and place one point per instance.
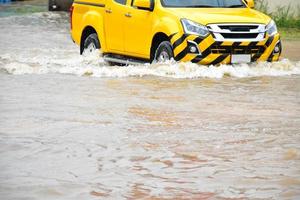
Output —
(94, 65)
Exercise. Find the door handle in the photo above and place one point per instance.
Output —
(108, 11)
(128, 15)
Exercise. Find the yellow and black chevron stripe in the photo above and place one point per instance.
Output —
(214, 53)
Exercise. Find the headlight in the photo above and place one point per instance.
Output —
(271, 28)
(194, 28)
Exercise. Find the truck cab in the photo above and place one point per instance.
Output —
(207, 32)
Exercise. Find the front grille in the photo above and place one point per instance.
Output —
(217, 49)
(237, 32)
(238, 28)
(239, 35)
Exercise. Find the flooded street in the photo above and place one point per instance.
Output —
(72, 127)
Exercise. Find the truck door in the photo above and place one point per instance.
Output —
(114, 25)
(138, 31)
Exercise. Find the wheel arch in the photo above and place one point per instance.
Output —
(156, 40)
(164, 30)
(85, 33)
(93, 23)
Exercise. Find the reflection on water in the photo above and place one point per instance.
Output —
(168, 131)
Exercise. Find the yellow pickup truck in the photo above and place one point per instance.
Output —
(208, 32)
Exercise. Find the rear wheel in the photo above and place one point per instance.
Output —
(91, 43)
(164, 52)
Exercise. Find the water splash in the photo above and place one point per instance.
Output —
(94, 65)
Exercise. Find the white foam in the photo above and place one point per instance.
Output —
(93, 65)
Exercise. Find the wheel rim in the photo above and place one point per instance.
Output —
(91, 47)
(163, 56)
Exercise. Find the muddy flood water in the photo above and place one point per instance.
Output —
(72, 127)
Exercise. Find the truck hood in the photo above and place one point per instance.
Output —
(221, 15)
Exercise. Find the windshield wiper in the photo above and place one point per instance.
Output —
(236, 6)
(200, 6)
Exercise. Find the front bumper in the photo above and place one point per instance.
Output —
(214, 53)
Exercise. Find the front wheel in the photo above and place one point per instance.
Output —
(164, 52)
(91, 43)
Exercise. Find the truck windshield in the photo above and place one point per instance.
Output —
(204, 3)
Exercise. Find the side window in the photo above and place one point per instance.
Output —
(121, 1)
(151, 1)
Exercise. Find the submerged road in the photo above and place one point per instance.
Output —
(72, 127)
(68, 137)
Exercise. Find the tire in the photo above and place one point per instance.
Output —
(91, 43)
(164, 52)
(51, 4)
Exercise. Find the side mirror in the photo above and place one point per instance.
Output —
(250, 3)
(143, 4)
